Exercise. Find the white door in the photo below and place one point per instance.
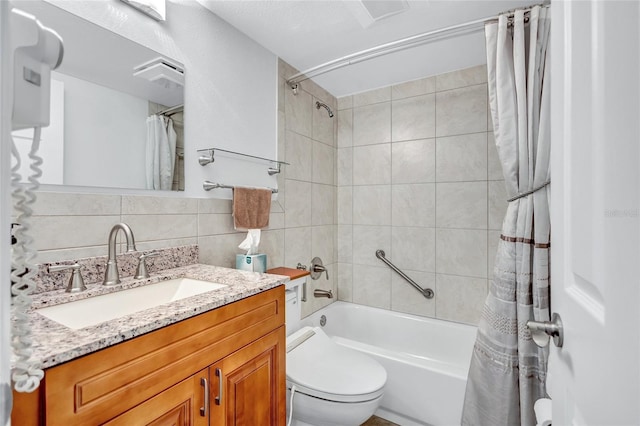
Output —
(595, 217)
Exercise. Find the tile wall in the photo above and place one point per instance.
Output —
(418, 176)
(302, 223)
(307, 136)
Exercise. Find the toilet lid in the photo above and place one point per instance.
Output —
(319, 367)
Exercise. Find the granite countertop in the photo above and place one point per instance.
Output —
(53, 343)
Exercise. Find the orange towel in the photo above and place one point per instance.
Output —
(251, 207)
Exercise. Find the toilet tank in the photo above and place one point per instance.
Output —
(293, 304)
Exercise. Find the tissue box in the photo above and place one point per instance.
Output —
(251, 262)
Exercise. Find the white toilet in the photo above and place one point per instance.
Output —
(332, 385)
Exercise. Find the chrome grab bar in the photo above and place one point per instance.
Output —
(426, 292)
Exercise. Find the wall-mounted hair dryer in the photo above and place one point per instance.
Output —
(37, 51)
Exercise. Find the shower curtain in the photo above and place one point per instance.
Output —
(508, 371)
(161, 152)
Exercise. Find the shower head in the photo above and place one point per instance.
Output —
(325, 106)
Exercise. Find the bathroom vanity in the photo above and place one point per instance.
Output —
(223, 365)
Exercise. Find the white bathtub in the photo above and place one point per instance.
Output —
(427, 360)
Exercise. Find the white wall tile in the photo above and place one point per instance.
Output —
(272, 244)
(214, 205)
(413, 161)
(413, 248)
(322, 199)
(214, 224)
(462, 111)
(461, 205)
(297, 246)
(460, 299)
(322, 162)
(497, 204)
(413, 118)
(322, 124)
(418, 87)
(462, 78)
(461, 158)
(345, 166)
(367, 240)
(298, 153)
(276, 221)
(461, 252)
(220, 250)
(413, 205)
(372, 205)
(404, 298)
(58, 232)
(345, 243)
(372, 97)
(345, 282)
(162, 227)
(322, 244)
(372, 164)
(345, 128)
(297, 204)
(158, 205)
(372, 286)
(372, 124)
(62, 204)
(298, 110)
(345, 205)
(345, 102)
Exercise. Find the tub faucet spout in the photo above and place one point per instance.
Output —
(111, 274)
(323, 293)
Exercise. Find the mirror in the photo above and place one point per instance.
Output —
(116, 111)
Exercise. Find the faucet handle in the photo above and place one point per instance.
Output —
(76, 282)
(141, 271)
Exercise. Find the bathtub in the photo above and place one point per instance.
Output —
(427, 360)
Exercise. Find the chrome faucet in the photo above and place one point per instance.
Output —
(111, 275)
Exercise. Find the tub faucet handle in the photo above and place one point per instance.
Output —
(317, 268)
(321, 269)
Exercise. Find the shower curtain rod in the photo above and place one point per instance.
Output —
(173, 109)
(391, 47)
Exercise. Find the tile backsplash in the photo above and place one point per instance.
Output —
(418, 176)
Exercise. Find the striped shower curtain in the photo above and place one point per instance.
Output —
(508, 371)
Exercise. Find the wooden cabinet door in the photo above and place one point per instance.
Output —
(180, 405)
(248, 386)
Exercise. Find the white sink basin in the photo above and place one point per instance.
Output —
(95, 310)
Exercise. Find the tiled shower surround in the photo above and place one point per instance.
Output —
(410, 169)
(419, 177)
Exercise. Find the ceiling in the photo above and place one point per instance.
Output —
(306, 33)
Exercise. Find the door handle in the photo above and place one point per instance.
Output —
(541, 331)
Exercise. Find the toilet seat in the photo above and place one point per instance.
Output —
(321, 368)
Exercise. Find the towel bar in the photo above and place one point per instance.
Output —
(208, 186)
